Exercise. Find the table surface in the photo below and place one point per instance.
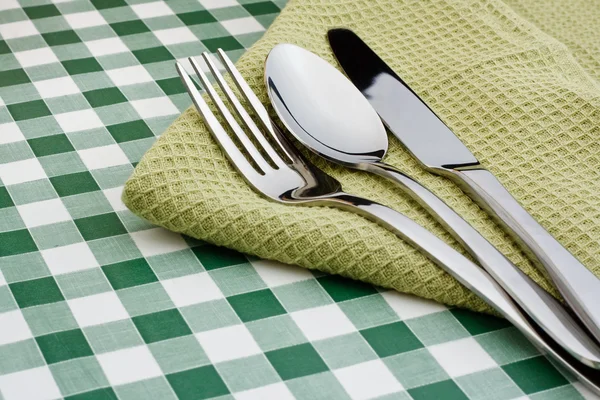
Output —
(96, 303)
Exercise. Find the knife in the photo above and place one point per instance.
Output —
(438, 149)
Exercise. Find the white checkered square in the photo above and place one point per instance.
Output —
(462, 357)
(56, 87)
(97, 309)
(85, 19)
(175, 35)
(14, 327)
(129, 365)
(10, 133)
(31, 384)
(70, 258)
(103, 157)
(192, 289)
(30, 58)
(43, 213)
(21, 171)
(323, 322)
(368, 380)
(228, 343)
(158, 241)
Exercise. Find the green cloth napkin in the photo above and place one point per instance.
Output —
(516, 80)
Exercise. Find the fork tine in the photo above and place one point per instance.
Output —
(258, 107)
(242, 113)
(221, 136)
(239, 132)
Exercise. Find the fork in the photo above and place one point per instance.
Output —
(282, 174)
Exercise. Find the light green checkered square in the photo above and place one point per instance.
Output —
(175, 264)
(247, 373)
(415, 368)
(150, 389)
(112, 336)
(20, 356)
(178, 354)
(237, 279)
(87, 204)
(209, 315)
(112, 177)
(46, 71)
(132, 222)
(437, 328)
(62, 164)
(23, 267)
(83, 283)
(16, 151)
(114, 61)
(276, 332)
(72, 52)
(10, 220)
(49, 318)
(92, 80)
(135, 149)
(90, 138)
(140, 91)
(31, 192)
(366, 312)
(346, 350)
(117, 113)
(114, 249)
(64, 104)
(79, 375)
(318, 386)
(478, 385)
(145, 299)
(7, 301)
(24, 92)
(55, 235)
(302, 295)
(38, 127)
(495, 344)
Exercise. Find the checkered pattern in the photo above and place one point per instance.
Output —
(98, 304)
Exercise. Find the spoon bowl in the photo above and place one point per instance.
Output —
(322, 108)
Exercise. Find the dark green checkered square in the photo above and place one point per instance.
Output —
(171, 86)
(16, 242)
(342, 289)
(28, 110)
(13, 77)
(213, 257)
(64, 345)
(161, 325)
(5, 200)
(71, 184)
(535, 375)
(61, 38)
(100, 226)
(256, 305)
(4, 49)
(152, 55)
(104, 97)
(447, 390)
(106, 393)
(44, 11)
(476, 323)
(196, 17)
(36, 291)
(129, 27)
(130, 131)
(81, 66)
(198, 383)
(104, 4)
(296, 361)
(226, 43)
(261, 8)
(129, 273)
(48, 145)
(391, 339)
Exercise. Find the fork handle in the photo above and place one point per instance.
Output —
(578, 285)
(547, 312)
(470, 275)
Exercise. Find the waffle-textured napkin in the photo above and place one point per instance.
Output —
(516, 80)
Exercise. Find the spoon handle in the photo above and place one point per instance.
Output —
(544, 309)
(470, 275)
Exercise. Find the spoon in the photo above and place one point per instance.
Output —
(324, 111)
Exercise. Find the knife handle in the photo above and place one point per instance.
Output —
(544, 309)
(470, 275)
(578, 285)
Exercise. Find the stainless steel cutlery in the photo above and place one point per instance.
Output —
(321, 108)
(274, 168)
(442, 153)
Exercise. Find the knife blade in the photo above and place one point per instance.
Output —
(432, 142)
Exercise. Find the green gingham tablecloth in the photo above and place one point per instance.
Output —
(98, 304)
